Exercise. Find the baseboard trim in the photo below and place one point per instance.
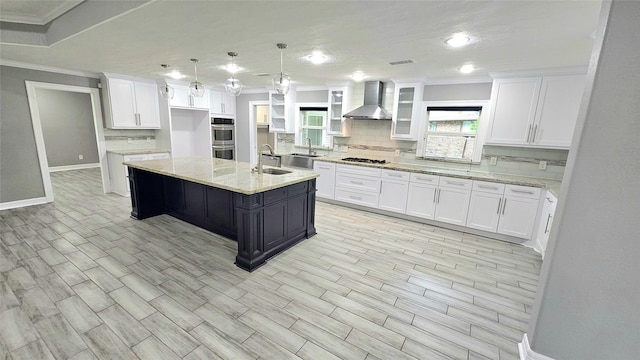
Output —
(73, 167)
(526, 353)
(22, 203)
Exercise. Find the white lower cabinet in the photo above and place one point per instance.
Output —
(421, 199)
(357, 185)
(119, 174)
(546, 219)
(452, 200)
(394, 187)
(505, 209)
(326, 182)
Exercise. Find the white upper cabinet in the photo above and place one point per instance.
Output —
(182, 98)
(339, 100)
(131, 104)
(282, 117)
(222, 103)
(535, 111)
(406, 110)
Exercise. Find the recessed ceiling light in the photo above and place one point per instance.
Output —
(468, 68)
(358, 76)
(317, 57)
(232, 68)
(175, 74)
(458, 40)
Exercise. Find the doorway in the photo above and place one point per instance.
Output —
(259, 128)
(44, 105)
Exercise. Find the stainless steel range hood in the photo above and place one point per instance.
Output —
(372, 108)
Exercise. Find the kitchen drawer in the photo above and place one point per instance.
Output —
(357, 197)
(488, 187)
(324, 166)
(522, 191)
(361, 170)
(424, 179)
(395, 175)
(155, 156)
(274, 195)
(456, 183)
(136, 157)
(358, 182)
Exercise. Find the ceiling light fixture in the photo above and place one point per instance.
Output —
(358, 76)
(458, 40)
(281, 82)
(196, 88)
(317, 57)
(166, 91)
(467, 68)
(233, 85)
(175, 74)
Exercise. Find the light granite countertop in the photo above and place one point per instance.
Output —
(552, 185)
(224, 174)
(138, 151)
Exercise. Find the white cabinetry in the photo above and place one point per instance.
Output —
(452, 200)
(394, 187)
(182, 98)
(546, 219)
(131, 104)
(222, 103)
(119, 173)
(282, 111)
(339, 100)
(421, 200)
(535, 111)
(406, 110)
(326, 182)
(505, 209)
(357, 185)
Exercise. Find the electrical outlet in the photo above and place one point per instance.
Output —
(493, 160)
(128, 140)
(148, 139)
(397, 152)
(542, 165)
(80, 157)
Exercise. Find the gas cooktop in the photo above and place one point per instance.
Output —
(364, 160)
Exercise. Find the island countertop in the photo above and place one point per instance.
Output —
(219, 173)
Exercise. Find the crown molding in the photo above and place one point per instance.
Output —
(457, 81)
(574, 70)
(51, 69)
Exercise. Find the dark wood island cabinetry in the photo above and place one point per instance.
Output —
(264, 213)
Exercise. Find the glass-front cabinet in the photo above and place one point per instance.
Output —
(282, 111)
(339, 101)
(406, 108)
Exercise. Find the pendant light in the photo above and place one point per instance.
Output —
(196, 88)
(165, 90)
(233, 85)
(281, 82)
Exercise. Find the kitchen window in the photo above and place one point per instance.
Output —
(313, 125)
(451, 132)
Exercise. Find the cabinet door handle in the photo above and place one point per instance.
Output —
(504, 205)
(546, 227)
(522, 191)
(549, 200)
(535, 130)
(499, 203)
(438, 202)
(435, 191)
(529, 135)
(488, 187)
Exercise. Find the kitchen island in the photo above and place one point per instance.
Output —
(265, 213)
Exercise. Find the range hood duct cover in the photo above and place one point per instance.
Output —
(372, 108)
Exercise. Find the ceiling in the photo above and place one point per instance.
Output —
(358, 35)
(34, 11)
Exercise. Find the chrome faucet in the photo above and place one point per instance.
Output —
(258, 167)
(309, 142)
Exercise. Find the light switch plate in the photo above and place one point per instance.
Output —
(128, 140)
(542, 165)
(493, 160)
(397, 152)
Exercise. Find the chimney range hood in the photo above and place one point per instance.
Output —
(372, 108)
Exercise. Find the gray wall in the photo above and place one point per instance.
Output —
(20, 176)
(588, 301)
(321, 96)
(242, 123)
(477, 91)
(67, 127)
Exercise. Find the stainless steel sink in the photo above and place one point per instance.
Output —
(298, 160)
(305, 155)
(274, 171)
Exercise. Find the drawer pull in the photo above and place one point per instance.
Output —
(549, 200)
(324, 167)
(355, 197)
(488, 187)
(522, 191)
(455, 183)
(423, 179)
(357, 182)
(394, 175)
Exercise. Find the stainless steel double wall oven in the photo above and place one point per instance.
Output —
(223, 138)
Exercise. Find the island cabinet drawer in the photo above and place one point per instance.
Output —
(522, 191)
(357, 197)
(358, 182)
(298, 188)
(488, 187)
(456, 183)
(395, 175)
(359, 170)
(274, 195)
(424, 179)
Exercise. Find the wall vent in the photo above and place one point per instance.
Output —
(402, 62)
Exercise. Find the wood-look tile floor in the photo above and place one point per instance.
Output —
(79, 279)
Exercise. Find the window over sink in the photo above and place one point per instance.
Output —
(313, 125)
(451, 133)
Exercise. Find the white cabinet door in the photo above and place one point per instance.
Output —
(406, 108)
(484, 211)
(215, 102)
(282, 112)
(452, 205)
(513, 109)
(518, 216)
(181, 96)
(325, 184)
(546, 219)
(557, 110)
(123, 104)
(147, 105)
(201, 102)
(393, 195)
(421, 200)
(228, 104)
(339, 100)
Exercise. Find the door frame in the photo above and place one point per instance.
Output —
(94, 93)
(253, 130)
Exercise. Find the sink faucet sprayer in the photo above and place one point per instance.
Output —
(309, 142)
(259, 166)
